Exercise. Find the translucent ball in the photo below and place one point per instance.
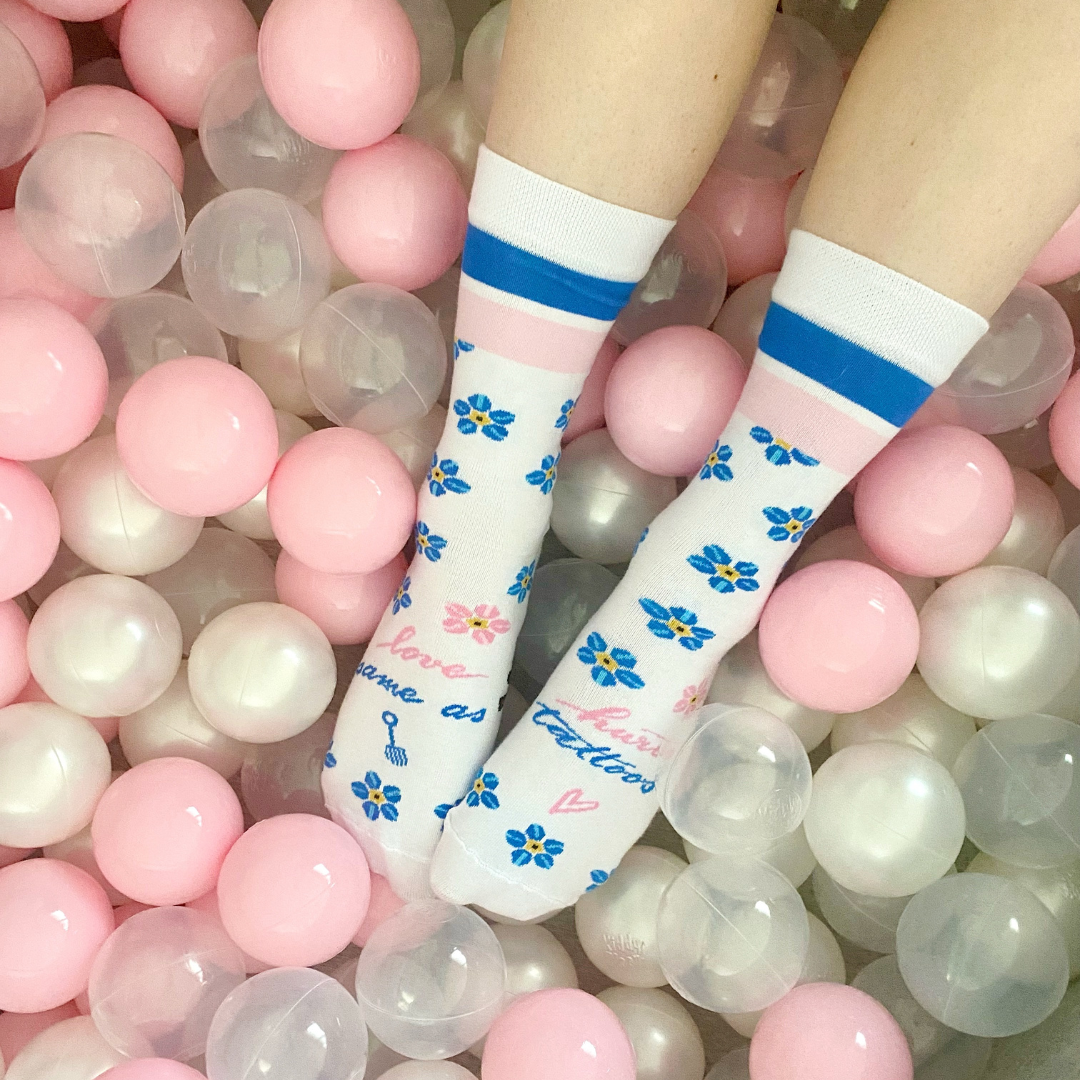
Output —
(480, 62)
(884, 819)
(1037, 527)
(739, 783)
(565, 595)
(602, 503)
(982, 955)
(1027, 447)
(414, 443)
(534, 959)
(868, 921)
(256, 263)
(291, 1023)
(104, 645)
(200, 183)
(1030, 656)
(741, 679)
(743, 315)
(101, 213)
(666, 1041)
(137, 332)
(913, 716)
(247, 143)
(427, 1070)
(791, 855)
(22, 115)
(275, 366)
(261, 672)
(846, 24)
(1064, 424)
(1015, 371)
(733, 934)
(373, 358)
(684, 286)
(431, 979)
(786, 108)
(1064, 570)
(153, 1069)
(448, 124)
(284, 777)
(434, 29)
(617, 921)
(221, 571)
(71, 1049)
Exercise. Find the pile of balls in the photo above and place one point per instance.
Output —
(229, 235)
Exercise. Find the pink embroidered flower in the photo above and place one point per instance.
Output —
(482, 622)
(693, 697)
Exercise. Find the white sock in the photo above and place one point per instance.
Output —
(849, 351)
(545, 271)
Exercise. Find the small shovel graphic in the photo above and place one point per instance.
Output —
(395, 754)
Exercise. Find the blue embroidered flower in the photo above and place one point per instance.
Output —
(444, 808)
(428, 543)
(443, 476)
(523, 582)
(483, 791)
(462, 346)
(676, 623)
(565, 413)
(789, 524)
(476, 414)
(779, 452)
(378, 800)
(402, 599)
(533, 845)
(716, 463)
(725, 576)
(598, 879)
(544, 477)
(641, 539)
(329, 761)
(609, 666)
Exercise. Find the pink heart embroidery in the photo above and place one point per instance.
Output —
(571, 802)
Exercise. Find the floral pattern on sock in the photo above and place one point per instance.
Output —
(692, 698)
(462, 346)
(565, 413)
(533, 846)
(724, 575)
(402, 599)
(778, 451)
(789, 524)
(523, 582)
(379, 800)
(598, 877)
(476, 413)
(482, 792)
(482, 622)
(609, 667)
(544, 478)
(675, 623)
(442, 476)
(430, 545)
(716, 464)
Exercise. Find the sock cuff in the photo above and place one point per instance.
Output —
(556, 223)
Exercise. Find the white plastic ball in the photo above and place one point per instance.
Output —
(275, 366)
(535, 960)
(72, 1049)
(868, 921)
(791, 855)
(415, 442)
(1036, 529)
(284, 777)
(449, 125)
(666, 1041)
(1064, 569)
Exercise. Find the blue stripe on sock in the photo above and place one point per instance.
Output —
(504, 266)
(869, 380)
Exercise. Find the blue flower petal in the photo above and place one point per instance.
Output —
(657, 611)
(691, 643)
(702, 633)
(699, 562)
(535, 832)
(515, 838)
(596, 642)
(777, 533)
(371, 811)
(630, 679)
(521, 857)
(392, 793)
(472, 799)
(804, 459)
(586, 656)
(661, 630)
(747, 585)
(553, 847)
(721, 585)
(602, 676)
(761, 435)
(623, 657)
(716, 553)
(389, 812)
(372, 779)
(491, 781)
(776, 515)
(801, 513)
(545, 862)
(490, 800)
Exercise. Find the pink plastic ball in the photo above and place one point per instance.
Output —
(208, 905)
(839, 636)
(152, 1069)
(588, 411)
(827, 1031)
(163, 829)
(17, 1029)
(1060, 255)
(294, 890)
(345, 607)
(343, 73)
(29, 529)
(14, 667)
(172, 49)
(53, 380)
(935, 501)
(197, 436)
(44, 39)
(558, 1034)
(1065, 431)
(78, 10)
(415, 212)
(341, 502)
(114, 111)
(383, 904)
(125, 911)
(53, 919)
(670, 395)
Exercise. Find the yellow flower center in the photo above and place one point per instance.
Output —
(478, 786)
(693, 699)
(401, 592)
(783, 445)
(549, 473)
(712, 459)
(376, 796)
(793, 526)
(728, 572)
(422, 540)
(437, 474)
(607, 661)
(680, 629)
(525, 581)
(535, 847)
(476, 623)
(478, 417)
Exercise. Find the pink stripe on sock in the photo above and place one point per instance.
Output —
(524, 337)
(837, 440)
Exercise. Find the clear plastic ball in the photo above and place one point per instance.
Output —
(426, 1070)
(601, 503)
(22, 100)
(788, 103)
(287, 1024)
(221, 571)
(617, 921)
(1064, 570)
(535, 960)
(739, 782)
(284, 777)
(54, 767)
(565, 595)
(481, 59)
(158, 980)
(684, 286)
(733, 934)
(137, 332)
(431, 980)
(982, 955)
(791, 855)
(1015, 371)
(372, 357)
(743, 315)
(1021, 794)
(913, 716)
(414, 443)
(256, 263)
(666, 1041)
(200, 184)
(71, 1049)
(275, 366)
(262, 672)
(868, 921)
(434, 29)
(449, 125)
(247, 144)
(1036, 529)
(104, 645)
(846, 24)
(998, 641)
(101, 213)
